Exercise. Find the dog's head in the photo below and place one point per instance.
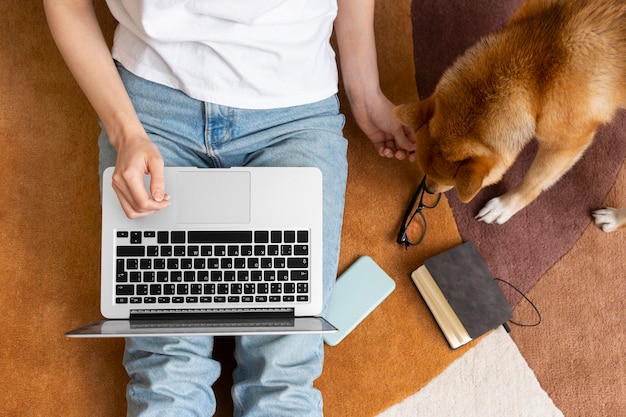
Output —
(450, 154)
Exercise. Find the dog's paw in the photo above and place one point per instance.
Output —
(496, 211)
(609, 219)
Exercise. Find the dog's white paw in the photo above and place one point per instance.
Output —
(496, 211)
(608, 219)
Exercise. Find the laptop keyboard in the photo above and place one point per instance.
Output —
(211, 267)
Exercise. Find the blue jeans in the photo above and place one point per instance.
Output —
(274, 375)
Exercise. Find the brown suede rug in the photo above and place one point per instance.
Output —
(525, 247)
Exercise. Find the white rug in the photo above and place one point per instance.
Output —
(490, 380)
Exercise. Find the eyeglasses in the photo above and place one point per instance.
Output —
(413, 227)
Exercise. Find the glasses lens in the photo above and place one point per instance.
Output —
(430, 200)
(415, 229)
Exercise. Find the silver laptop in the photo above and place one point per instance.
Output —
(238, 251)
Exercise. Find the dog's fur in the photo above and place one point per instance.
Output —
(556, 72)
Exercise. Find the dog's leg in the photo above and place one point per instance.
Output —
(610, 219)
(548, 167)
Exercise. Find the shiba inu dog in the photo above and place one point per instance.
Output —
(556, 72)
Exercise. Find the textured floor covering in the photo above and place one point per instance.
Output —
(50, 194)
(578, 352)
(476, 385)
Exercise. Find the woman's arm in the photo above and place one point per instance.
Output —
(354, 28)
(77, 33)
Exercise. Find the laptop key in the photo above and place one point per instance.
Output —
(303, 236)
(178, 236)
(220, 236)
(124, 290)
(132, 251)
(135, 237)
(261, 236)
(300, 250)
(163, 237)
(297, 263)
(176, 276)
(290, 236)
(166, 250)
(299, 275)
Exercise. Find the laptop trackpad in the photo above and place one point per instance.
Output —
(219, 197)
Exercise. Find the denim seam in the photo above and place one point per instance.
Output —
(210, 150)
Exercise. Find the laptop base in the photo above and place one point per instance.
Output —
(202, 327)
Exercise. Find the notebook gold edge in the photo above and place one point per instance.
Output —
(450, 324)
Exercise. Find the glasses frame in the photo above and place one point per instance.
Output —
(408, 217)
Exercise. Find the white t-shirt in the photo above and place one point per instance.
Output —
(253, 54)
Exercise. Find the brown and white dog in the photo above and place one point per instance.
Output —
(556, 72)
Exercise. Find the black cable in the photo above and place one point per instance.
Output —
(530, 302)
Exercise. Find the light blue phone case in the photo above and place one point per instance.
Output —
(358, 291)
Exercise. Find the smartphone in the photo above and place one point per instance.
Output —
(358, 291)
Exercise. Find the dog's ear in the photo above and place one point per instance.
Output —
(415, 115)
(470, 176)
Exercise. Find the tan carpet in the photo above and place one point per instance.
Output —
(49, 245)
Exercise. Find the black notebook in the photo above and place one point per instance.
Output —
(462, 294)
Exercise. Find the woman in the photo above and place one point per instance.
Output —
(221, 83)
